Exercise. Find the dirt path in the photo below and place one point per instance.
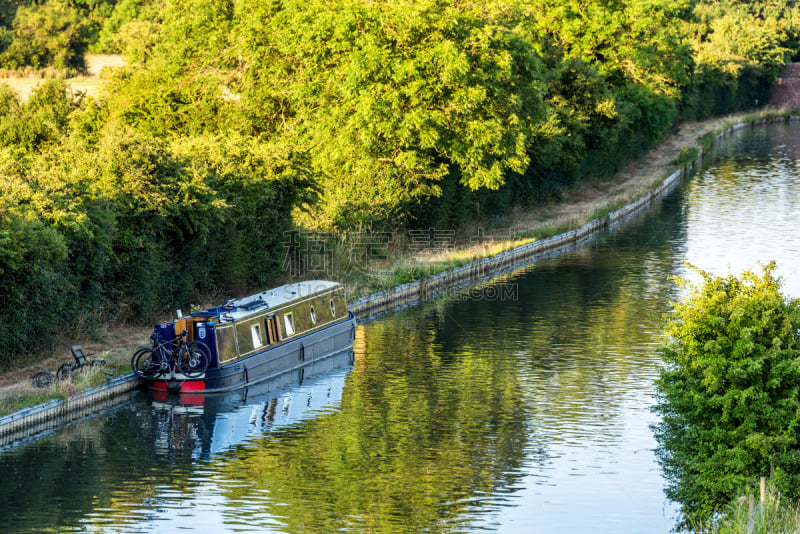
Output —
(578, 203)
(633, 181)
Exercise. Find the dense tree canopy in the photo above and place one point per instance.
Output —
(389, 98)
(120, 222)
(237, 120)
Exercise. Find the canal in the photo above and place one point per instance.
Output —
(519, 405)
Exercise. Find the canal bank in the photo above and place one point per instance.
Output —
(56, 412)
(483, 268)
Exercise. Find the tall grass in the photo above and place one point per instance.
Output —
(775, 515)
(40, 73)
(26, 395)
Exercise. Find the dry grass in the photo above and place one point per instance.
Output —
(24, 394)
(115, 347)
(25, 82)
(95, 63)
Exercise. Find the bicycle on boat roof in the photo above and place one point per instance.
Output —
(175, 356)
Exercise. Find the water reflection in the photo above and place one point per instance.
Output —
(583, 331)
(203, 426)
(742, 211)
(135, 467)
(498, 408)
(522, 405)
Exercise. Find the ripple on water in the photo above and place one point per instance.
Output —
(524, 408)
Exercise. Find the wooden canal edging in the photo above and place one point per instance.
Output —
(36, 419)
(33, 420)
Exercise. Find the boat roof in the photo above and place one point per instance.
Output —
(273, 298)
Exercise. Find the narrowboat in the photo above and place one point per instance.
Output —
(248, 340)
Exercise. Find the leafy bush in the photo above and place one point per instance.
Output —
(729, 396)
(35, 291)
(43, 119)
(48, 35)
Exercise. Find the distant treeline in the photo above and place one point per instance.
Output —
(235, 121)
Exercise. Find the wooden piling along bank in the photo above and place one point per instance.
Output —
(39, 418)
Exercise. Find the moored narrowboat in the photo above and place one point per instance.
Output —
(248, 340)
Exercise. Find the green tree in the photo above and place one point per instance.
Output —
(8, 10)
(48, 35)
(35, 291)
(738, 49)
(44, 119)
(630, 41)
(390, 98)
(129, 29)
(734, 34)
(729, 396)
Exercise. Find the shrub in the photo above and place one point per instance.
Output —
(47, 35)
(728, 395)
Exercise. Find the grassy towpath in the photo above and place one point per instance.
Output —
(577, 206)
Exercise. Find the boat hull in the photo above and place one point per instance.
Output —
(294, 354)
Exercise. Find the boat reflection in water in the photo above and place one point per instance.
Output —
(202, 425)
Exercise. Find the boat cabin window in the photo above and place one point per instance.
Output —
(226, 343)
(288, 321)
(255, 333)
(333, 309)
(272, 329)
(313, 315)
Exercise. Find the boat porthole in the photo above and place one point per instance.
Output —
(333, 309)
(313, 315)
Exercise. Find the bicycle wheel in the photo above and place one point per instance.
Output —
(43, 379)
(146, 363)
(194, 359)
(65, 371)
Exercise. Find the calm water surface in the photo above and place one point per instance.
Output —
(522, 405)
